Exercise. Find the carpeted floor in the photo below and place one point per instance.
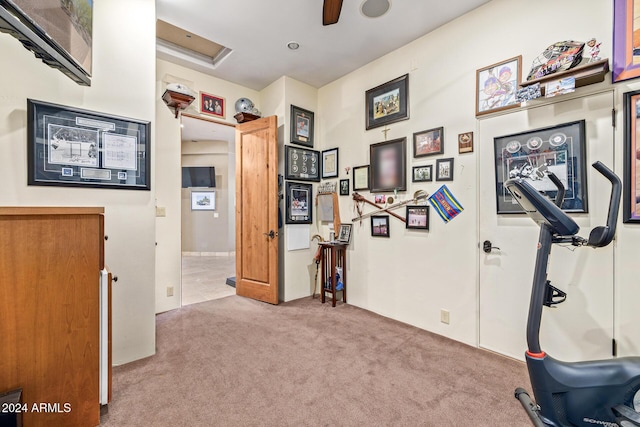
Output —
(238, 362)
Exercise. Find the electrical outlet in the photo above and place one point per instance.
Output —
(169, 291)
(444, 316)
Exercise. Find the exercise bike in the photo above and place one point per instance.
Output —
(582, 394)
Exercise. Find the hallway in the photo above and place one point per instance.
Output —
(204, 278)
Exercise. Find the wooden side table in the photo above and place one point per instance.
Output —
(333, 255)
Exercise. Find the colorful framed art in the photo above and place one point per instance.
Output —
(496, 86)
(417, 217)
(387, 103)
(631, 201)
(299, 209)
(389, 165)
(380, 226)
(302, 126)
(203, 200)
(626, 54)
(428, 142)
(212, 105)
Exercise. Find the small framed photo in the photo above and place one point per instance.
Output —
(212, 105)
(380, 199)
(361, 178)
(389, 165)
(344, 234)
(299, 203)
(465, 143)
(388, 103)
(444, 169)
(380, 226)
(330, 163)
(496, 86)
(302, 125)
(428, 142)
(344, 187)
(422, 173)
(203, 200)
(418, 217)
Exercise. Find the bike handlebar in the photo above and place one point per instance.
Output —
(603, 235)
(561, 189)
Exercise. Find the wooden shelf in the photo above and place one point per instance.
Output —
(245, 117)
(585, 74)
(176, 100)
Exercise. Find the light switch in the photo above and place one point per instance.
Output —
(161, 211)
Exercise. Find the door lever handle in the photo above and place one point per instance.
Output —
(487, 246)
(271, 234)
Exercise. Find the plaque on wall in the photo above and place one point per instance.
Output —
(301, 164)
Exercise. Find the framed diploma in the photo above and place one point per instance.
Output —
(361, 178)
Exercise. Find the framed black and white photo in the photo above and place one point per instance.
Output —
(203, 200)
(417, 217)
(344, 234)
(380, 226)
(388, 103)
(299, 199)
(330, 163)
(428, 142)
(301, 164)
(74, 147)
(302, 126)
(344, 187)
(533, 154)
(389, 165)
(444, 169)
(361, 178)
(422, 173)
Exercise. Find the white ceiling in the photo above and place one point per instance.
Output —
(258, 31)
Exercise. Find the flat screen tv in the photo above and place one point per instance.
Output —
(60, 32)
(199, 176)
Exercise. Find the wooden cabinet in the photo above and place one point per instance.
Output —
(50, 263)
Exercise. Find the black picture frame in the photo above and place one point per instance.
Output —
(72, 147)
(417, 217)
(301, 164)
(388, 172)
(444, 169)
(393, 95)
(302, 126)
(299, 203)
(631, 189)
(380, 226)
(422, 173)
(361, 178)
(560, 149)
(344, 187)
(330, 163)
(344, 233)
(428, 142)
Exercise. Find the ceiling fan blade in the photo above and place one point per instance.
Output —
(331, 11)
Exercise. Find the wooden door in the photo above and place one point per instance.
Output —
(257, 209)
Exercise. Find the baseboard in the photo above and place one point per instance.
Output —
(216, 254)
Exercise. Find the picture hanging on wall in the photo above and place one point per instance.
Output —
(212, 105)
(465, 143)
(496, 86)
(532, 155)
(73, 147)
(389, 165)
(299, 203)
(203, 200)
(361, 178)
(422, 173)
(418, 217)
(380, 226)
(428, 142)
(301, 164)
(444, 169)
(631, 202)
(344, 187)
(626, 53)
(387, 103)
(330, 163)
(301, 126)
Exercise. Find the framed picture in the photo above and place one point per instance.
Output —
(532, 155)
(626, 54)
(361, 178)
(631, 201)
(301, 164)
(301, 126)
(344, 234)
(299, 203)
(73, 147)
(496, 86)
(388, 103)
(465, 143)
(422, 173)
(428, 142)
(444, 169)
(344, 187)
(203, 200)
(417, 217)
(330, 163)
(389, 165)
(380, 226)
(212, 105)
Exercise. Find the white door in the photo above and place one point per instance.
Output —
(582, 327)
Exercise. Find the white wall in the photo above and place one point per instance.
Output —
(122, 84)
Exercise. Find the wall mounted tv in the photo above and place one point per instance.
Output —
(60, 32)
(200, 176)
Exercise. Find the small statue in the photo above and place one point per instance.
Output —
(593, 50)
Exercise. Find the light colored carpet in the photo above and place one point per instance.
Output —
(239, 362)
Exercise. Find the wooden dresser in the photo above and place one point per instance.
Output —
(50, 264)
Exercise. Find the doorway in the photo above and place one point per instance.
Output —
(208, 234)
